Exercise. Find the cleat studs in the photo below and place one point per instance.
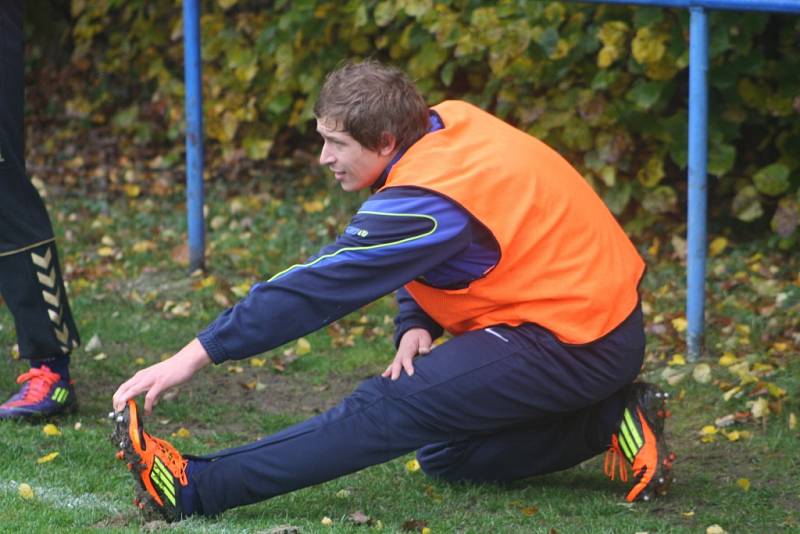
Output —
(121, 444)
(120, 418)
(111, 415)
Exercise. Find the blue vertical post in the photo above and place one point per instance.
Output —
(698, 158)
(194, 133)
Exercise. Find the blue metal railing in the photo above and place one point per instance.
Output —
(698, 139)
(698, 144)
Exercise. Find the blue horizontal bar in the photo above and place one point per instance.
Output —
(780, 6)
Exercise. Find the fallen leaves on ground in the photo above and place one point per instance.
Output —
(51, 430)
(47, 458)
(25, 491)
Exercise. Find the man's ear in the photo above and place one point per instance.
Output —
(388, 144)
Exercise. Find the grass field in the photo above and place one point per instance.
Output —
(129, 287)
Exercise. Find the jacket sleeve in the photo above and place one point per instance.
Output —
(396, 236)
(411, 315)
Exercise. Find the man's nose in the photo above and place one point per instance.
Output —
(325, 156)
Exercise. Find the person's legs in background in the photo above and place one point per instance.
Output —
(31, 283)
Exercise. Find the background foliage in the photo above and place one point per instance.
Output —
(607, 86)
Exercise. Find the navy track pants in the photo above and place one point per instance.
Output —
(496, 404)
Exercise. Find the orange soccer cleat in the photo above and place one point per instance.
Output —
(640, 442)
(158, 468)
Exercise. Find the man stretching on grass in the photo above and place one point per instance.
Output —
(484, 232)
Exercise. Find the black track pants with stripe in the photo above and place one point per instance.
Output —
(31, 283)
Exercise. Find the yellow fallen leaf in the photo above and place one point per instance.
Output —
(743, 329)
(687, 514)
(143, 246)
(105, 252)
(708, 430)
(780, 346)
(760, 408)
(728, 359)
(425, 530)
(733, 435)
(412, 466)
(716, 246)
(139, 361)
(51, 430)
(715, 529)
(327, 521)
(302, 347)
(182, 432)
(25, 491)
(680, 324)
(313, 206)
(743, 483)
(132, 190)
(100, 357)
(241, 290)
(702, 373)
(343, 493)
(257, 362)
(776, 391)
(47, 458)
(677, 359)
(672, 376)
(208, 281)
(792, 421)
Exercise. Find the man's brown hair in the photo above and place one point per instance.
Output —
(368, 99)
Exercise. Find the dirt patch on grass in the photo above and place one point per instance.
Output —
(269, 393)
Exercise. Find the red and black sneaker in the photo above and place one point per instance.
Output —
(158, 468)
(640, 442)
(43, 393)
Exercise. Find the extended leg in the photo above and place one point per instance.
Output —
(474, 385)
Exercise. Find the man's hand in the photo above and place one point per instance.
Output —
(416, 341)
(159, 377)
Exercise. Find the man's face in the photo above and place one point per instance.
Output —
(353, 166)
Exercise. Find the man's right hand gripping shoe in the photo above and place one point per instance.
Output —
(158, 468)
(640, 442)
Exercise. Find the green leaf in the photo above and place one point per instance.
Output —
(384, 13)
(772, 180)
(647, 16)
(427, 60)
(747, 204)
(662, 199)
(448, 71)
(417, 8)
(617, 198)
(721, 159)
(652, 173)
(645, 93)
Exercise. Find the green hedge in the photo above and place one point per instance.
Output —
(607, 86)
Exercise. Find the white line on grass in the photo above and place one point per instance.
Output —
(62, 498)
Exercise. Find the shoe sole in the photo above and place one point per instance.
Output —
(37, 417)
(653, 400)
(125, 423)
